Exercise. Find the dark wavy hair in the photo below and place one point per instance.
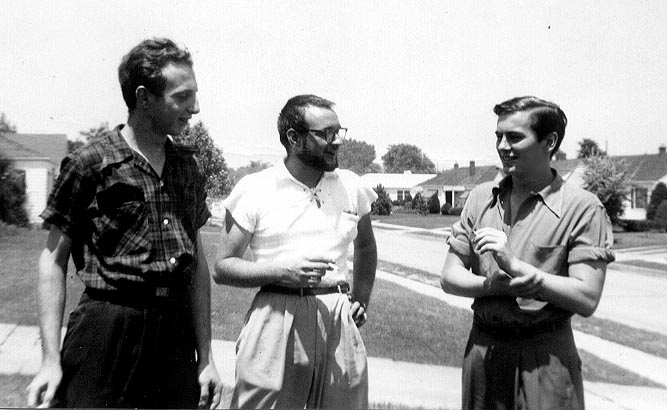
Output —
(293, 113)
(143, 66)
(547, 117)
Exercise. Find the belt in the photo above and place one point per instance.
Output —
(514, 332)
(139, 296)
(343, 288)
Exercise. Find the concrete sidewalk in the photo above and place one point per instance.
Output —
(391, 382)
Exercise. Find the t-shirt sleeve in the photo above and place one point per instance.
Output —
(68, 199)
(365, 197)
(592, 238)
(241, 204)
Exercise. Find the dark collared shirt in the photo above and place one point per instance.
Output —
(128, 224)
(556, 227)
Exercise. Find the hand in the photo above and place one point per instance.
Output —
(308, 272)
(358, 313)
(529, 285)
(43, 387)
(498, 282)
(495, 241)
(211, 387)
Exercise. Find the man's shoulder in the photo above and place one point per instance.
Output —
(575, 194)
(89, 156)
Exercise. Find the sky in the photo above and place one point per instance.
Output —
(426, 73)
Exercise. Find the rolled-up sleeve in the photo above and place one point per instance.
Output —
(65, 204)
(592, 238)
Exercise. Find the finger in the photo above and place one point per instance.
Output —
(33, 395)
(217, 396)
(203, 396)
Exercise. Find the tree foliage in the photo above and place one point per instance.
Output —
(420, 204)
(434, 204)
(210, 158)
(382, 205)
(235, 175)
(609, 180)
(101, 130)
(357, 156)
(658, 195)
(588, 148)
(12, 194)
(407, 157)
(5, 125)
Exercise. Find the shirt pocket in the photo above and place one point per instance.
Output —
(548, 258)
(121, 224)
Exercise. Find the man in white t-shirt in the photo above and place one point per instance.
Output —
(300, 346)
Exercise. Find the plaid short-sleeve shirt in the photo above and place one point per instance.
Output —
(127, 223)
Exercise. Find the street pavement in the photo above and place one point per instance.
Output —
(632, 298)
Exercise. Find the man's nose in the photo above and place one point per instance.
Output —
(502, 143)
(194, 109)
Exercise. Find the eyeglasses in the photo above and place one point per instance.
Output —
(330, 134)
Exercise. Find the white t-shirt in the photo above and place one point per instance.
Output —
(287, 219)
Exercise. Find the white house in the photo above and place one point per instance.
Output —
(453, 185)
(38, 156)
(398, 186)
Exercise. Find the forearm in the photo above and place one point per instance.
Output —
(457, 279)
(363, 276)
(239, 272)
(51, 293)
(200, 302)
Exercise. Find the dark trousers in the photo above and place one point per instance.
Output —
(116, 355)
(512, 372)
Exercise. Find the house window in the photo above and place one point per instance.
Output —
(401, 195)
(639, 197)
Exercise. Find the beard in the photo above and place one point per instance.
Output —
(325, 163)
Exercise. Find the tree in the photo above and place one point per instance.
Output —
(235, 175)
(434, 204)
(420, 204)
(74, 145)
(5, 125)
(382, 205)
(210, 158)
(609, 180)
(406, 157)
(96, 132)
(12, 194)
(357, 156)
(658, 195)
(588, 148)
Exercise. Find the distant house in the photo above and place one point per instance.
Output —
(646, 171)
(454, 185)
(398, 186)
(38, 156)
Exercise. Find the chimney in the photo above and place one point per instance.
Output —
(472, 168)
(661, 149)
(456, 165)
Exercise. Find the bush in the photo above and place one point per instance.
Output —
(434, 204)
(631, 225)
(658, 196)
(660, 217)
(12, 195)
(446, 208)
(420, 204)
(456, 211)
(382, 205)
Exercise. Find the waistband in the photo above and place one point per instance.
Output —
(343, 288)
(515, 332)
(139, 296)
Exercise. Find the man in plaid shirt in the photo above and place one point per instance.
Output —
(128, 207)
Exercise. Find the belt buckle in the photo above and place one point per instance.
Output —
(162, 292)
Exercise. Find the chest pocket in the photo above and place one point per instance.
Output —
(551, 259)
(120, 226)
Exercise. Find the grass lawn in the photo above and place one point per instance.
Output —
(403, 325)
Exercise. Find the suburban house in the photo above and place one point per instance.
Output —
(397, 186)
(453, 185)
(646, 171)
(38, 157)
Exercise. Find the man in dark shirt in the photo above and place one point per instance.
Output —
(538, 249)
(128, 208)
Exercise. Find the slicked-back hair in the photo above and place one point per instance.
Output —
(143, 66)
(293, 114)
(547, 117)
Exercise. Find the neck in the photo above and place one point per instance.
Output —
(305, 174)
(534, 182)
(142, 137)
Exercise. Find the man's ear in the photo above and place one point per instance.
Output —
(143, 96)
(293, 138)
(551, 140)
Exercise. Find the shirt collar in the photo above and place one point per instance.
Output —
(284, 173)
(119, 150)
(552, 195)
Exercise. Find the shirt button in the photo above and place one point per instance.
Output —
(172, 260)
(165, 222)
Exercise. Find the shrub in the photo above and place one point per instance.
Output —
(658, 195)
(420, 204)
(631, 225)
(456, 211)
(12, 195)
(434, 204)
(446, 208)
(660, 217)
(382, 205)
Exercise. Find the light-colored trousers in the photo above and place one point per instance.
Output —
(300, 351)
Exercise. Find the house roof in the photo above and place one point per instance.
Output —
(648, 167)
(461, 176)
(51, 146)
(13, 150)
(396, 181)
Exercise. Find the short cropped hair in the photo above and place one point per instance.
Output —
(547, 117)
(293, 114)
(143, 66)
